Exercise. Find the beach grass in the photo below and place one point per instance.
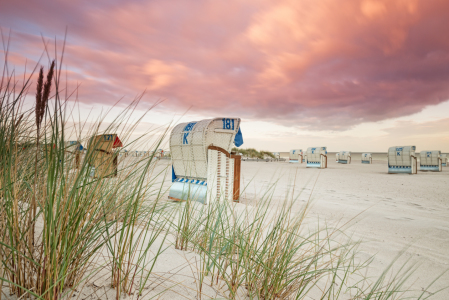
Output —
(270, 250)
(56, 215)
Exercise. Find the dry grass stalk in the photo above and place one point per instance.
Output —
(42, 95)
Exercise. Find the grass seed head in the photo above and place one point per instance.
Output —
(40, 84)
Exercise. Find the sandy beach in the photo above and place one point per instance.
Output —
(390, 213)
(145, 150)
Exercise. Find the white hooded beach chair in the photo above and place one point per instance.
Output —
(204, 169)
(367, 158)
(430, 161)
(444, 160)
(402, 160)
(344, 157)
(316, 157)
(295, 156)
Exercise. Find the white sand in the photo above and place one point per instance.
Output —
(388, 211)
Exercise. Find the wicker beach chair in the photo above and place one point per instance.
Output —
(344, 157)
(101, 156)
(430, 161)
(402, 159)
(204, 169)
(316, 157)
(367, 158)
(295, 156)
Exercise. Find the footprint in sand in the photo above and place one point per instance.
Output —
(416, 205)
(399, 218)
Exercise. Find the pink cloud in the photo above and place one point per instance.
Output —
(320, 65)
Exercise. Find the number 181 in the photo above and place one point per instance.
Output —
(228, 123)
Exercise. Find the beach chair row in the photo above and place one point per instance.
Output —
(401, 159)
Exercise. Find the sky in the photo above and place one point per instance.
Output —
(357, 75)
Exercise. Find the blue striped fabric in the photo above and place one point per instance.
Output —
(185, 180)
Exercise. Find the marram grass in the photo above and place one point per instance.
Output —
(56, 219)
(269, 251)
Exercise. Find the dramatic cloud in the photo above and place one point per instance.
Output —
(310, 64)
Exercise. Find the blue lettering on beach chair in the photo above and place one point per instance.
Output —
(187, 130)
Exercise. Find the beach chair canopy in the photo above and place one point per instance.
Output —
(117, 143)
(105, 142)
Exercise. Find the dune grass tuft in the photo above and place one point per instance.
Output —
(56, 220)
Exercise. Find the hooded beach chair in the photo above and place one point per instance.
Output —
(203, 168)
(402, 160)
(295, 156)
(102, 159)
(367, 158)
(316, 157)
(344, 157)
(430, 161)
